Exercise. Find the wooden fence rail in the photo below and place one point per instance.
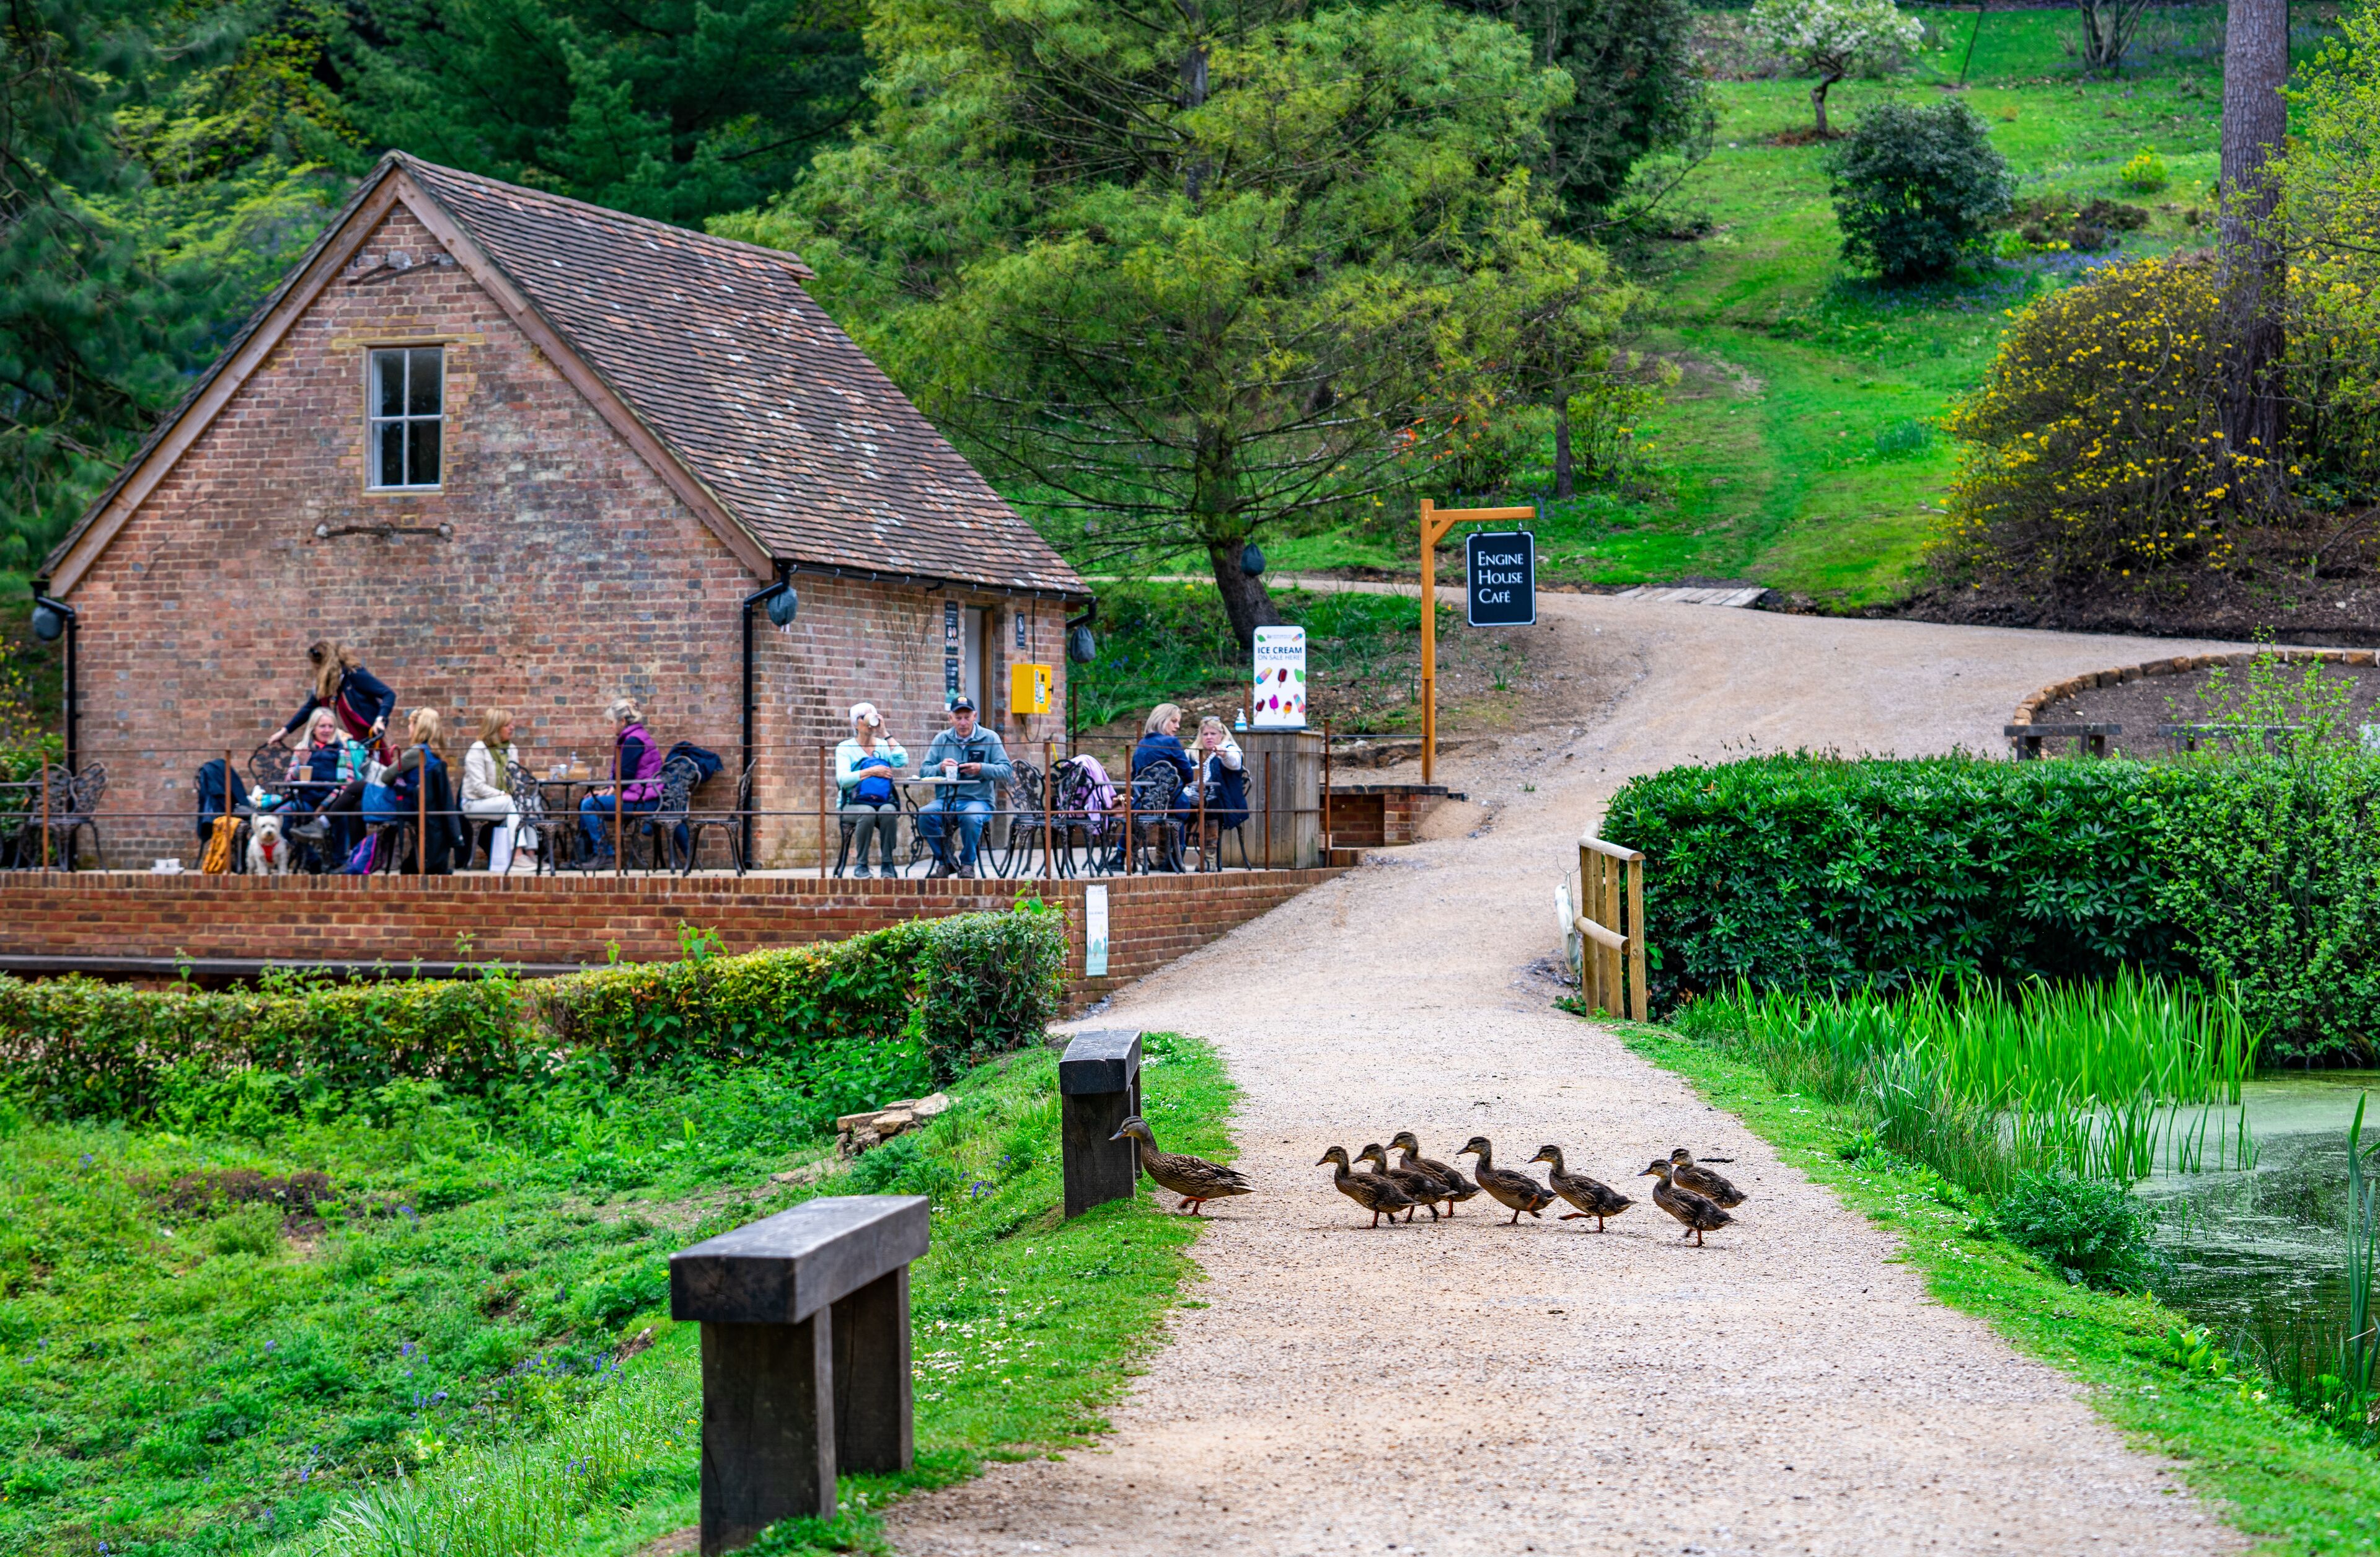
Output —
(1610, 924)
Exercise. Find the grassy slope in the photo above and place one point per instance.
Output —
(2282, 1478)
(1766, 454)
(190, 1382)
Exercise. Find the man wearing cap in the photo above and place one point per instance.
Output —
(864, 768)
(977, 762)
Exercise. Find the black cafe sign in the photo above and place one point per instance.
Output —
(1500, 578)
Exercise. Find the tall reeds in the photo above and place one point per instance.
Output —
(2112, 1080)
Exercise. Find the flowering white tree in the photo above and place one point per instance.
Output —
(1832, 38)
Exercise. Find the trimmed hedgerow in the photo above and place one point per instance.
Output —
(1798, 872)
(877, 1015)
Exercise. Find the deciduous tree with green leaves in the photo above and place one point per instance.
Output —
(1178, 273)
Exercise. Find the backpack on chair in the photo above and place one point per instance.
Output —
(222, 838)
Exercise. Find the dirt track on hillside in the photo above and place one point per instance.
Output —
(1473, 1388)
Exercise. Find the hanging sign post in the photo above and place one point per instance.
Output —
(1435, 522)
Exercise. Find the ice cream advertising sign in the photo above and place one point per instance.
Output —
(1278, 700)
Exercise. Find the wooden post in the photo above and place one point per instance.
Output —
(822, 868)
(619, 806)
(228, 782)
(1048, 795)
(1127, 812)
(421, 815)
(1202, 816)
(1098, 1088)
(1435, 523)
(1640, 997)
(45, 816)
(1588, 961)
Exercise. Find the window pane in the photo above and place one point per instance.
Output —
(428, 381)
(388, 380)
(388, 467)
(424, 471)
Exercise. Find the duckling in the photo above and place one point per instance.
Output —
(1197, 1180)
(1698, 1214)
(1592, 1197)
(1425, 1189)
(1375, 1192)
(1458, 1188)
(1516, 1192)
(1711, 1186)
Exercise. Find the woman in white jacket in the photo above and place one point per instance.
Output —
(486, 795)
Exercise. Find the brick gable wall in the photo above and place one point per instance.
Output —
(572, 574)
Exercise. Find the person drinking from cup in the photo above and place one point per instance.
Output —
(975, 765)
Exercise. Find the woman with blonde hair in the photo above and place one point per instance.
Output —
(417, 788)
(361, 700)
(487, 793)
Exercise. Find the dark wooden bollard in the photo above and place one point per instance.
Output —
(1098, 1088)
(805, 1322)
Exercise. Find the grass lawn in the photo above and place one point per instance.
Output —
(1787, 454)
(456, 1339)
(2288, 1482)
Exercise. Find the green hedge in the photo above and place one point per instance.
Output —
(876, 1015)
(1798, 870)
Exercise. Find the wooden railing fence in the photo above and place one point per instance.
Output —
(1610, 921)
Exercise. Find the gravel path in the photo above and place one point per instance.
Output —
(1473, 1388)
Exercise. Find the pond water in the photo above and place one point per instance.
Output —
(2263, 1252)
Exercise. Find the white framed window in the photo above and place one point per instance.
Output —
(406, 392)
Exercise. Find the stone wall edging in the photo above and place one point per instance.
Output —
(2181, 665)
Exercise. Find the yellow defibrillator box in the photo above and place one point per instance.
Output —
(1028, 688)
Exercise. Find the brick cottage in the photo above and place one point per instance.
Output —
(526, 452)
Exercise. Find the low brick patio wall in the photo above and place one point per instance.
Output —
(589, 919)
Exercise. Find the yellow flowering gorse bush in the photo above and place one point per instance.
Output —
(2095, 447)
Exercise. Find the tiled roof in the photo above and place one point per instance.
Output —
(716, 347)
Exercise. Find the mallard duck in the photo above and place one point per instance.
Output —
(1197, 1180)
(1376, 1193)
(1425, 1188)
(1516, 1192)
(1592, 1197)
(1711, 1186)
(1458, 1188)
(1698, 1214)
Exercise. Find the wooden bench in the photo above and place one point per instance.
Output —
(2028, 738)
(805, 1321)
(1098, 1088)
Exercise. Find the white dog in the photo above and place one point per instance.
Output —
(267, 851)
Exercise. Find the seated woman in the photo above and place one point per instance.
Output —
(1222, 775)
(327, 780)
(417, 788)
(360, 701)
(864, 766)
(487, 790)
(1160, 742)
(636, 760)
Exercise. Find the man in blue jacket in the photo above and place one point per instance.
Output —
(979, 764)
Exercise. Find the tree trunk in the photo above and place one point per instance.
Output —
(2255, 120)
(1564, 482)
(1818, 101)
(1246, 601)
